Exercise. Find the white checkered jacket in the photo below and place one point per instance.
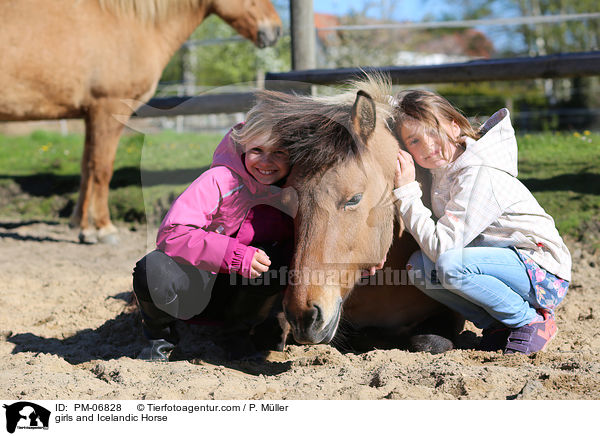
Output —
(479, 202)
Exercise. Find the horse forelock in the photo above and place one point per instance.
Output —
(309, 213)
(316, 130)
(315, 150)
(150, 11)
(317, 134)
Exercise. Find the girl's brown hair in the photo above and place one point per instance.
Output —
(428, 108)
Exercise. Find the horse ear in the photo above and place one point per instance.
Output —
(363, 115)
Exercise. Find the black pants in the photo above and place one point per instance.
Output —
(167, 291)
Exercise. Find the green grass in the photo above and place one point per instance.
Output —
(39, 174)
(563, 172)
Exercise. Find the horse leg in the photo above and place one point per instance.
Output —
(79, 217)
(103, 131)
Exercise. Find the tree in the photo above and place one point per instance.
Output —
(377, 47)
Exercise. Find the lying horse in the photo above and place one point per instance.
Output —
(343, 154)
(65, 59)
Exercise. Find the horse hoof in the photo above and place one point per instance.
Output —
(108, 235)
(88, 237)
(110, 239)
(433, 344)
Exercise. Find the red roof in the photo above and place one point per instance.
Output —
(326, 20)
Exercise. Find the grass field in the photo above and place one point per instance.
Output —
(39, 175)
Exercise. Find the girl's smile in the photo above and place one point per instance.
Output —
(266, 164)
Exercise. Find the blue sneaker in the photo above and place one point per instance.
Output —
(532, 337)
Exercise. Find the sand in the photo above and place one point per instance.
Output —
(68, 330)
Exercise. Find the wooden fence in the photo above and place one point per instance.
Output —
(553, 66)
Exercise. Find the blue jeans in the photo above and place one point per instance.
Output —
(487, 285)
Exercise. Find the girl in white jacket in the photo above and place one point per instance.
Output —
(491, 253)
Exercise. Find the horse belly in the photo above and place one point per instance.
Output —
(39, 77)
(22, 103)
(37, 90)
(391, 307)
(58, 58)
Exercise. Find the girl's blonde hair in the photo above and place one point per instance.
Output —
(428, 109)
(256, 126)
(277, 116)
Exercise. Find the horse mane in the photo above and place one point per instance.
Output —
(315, 130)
(149, 11)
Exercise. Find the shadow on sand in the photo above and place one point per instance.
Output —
(14, 225)
(122, 337)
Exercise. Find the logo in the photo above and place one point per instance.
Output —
(26, 415)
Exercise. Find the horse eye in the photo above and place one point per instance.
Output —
(353, 201)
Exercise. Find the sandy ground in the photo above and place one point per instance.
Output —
(67, 332)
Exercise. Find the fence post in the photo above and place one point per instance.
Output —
(189, 69)
(303, 36)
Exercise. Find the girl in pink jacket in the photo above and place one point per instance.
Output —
(228, 226)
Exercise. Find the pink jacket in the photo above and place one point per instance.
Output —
(212, 223)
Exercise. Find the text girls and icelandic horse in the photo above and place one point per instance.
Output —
(342, 153)
(66, 59)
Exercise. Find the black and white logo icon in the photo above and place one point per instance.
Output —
(26, 415)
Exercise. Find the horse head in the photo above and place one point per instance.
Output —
(256, 20)
(343, 167)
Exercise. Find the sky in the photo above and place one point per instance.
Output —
(406, 10)
(417, 10)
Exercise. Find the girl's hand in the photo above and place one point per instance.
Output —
(405, 169)
(260, 264)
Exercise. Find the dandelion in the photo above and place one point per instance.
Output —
(587, 132)
(45, 147)
(577, 135)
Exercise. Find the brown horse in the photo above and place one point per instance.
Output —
(343, 154)
(65, 59)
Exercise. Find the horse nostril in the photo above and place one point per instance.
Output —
(311, 317)
(268, 36)
(316, 313)
(262, 38)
